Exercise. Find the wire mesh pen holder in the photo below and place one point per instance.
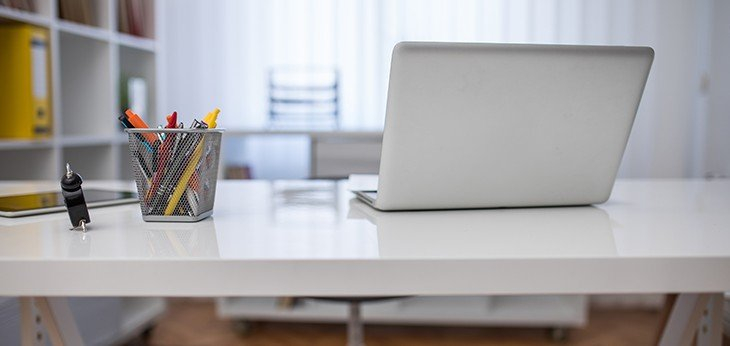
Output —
(176, 171)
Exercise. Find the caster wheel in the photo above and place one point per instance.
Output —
(241, 327)
(558, 334)
(147, 333)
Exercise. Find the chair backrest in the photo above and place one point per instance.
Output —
(303, 97)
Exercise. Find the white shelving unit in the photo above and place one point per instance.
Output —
(566, 311)
(87, 65)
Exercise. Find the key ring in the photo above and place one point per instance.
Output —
(81, 227)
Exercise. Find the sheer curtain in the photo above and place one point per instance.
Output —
(219, 53)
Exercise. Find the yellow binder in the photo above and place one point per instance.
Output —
(25, 82)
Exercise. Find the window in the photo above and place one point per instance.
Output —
(219, 54)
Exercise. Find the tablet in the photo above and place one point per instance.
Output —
(50, 202)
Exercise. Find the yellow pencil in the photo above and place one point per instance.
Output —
(210, 120)
(183, 183)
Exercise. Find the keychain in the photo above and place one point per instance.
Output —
(73, 197)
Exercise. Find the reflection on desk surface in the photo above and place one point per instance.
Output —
(115, 232)
(522, 232)
(315, 220)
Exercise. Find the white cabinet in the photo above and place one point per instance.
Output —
(535, 311)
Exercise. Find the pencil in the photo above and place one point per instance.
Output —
(210, 121)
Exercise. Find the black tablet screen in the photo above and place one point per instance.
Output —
(55, 199)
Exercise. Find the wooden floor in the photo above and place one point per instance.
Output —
(193, 322)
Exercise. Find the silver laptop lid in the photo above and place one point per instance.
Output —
(501, 125)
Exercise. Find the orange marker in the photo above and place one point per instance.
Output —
(138, 123)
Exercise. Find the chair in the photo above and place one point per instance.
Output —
(355, 334)
(304, 97)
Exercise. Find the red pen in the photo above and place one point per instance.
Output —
(164, 154)
(171, 121)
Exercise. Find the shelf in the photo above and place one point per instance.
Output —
(86, 86)
(548, 311)
(138, 63)
(136, 42)
(101, 34)
(121, 139)
(94, 162)
(28, 164)
(24, 17)
(126, 170)
(14, 144)
(84, 30)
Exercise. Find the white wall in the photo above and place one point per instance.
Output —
(717, 81)
(218, 54)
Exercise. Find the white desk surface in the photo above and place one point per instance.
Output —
(305, 238)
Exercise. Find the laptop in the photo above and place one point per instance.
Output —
(474, 125)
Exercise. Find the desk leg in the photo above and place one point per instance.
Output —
(710, 328)
(29, 333)
(55, 315)
(694, 314)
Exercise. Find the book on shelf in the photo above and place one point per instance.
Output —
(79, 11)
(133, 18)
(24, 5)
(134, 95)
(25, 73)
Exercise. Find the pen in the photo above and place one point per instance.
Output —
(137, 122)
(145, 168)
(165, 152)
(171, 124)
(180, 157)
(140, 158)
(171, 121)
(211, 117)
(210, 122)
(192, 200)
(182, 184)
(125, 122)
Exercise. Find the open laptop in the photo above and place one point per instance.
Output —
(472, 125)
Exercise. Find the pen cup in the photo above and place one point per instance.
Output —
(176, 171)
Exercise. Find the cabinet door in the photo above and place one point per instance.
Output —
(340, 157)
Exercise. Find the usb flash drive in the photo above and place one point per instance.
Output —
(73, 197)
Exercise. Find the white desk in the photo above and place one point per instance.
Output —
(310, 238)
